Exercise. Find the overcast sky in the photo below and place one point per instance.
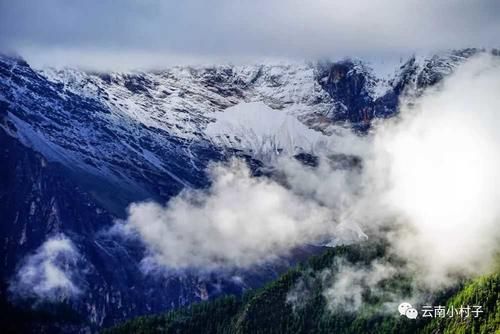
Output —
(134, 33)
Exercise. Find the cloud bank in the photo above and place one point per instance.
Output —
(432, 175)
(239, 222)
(438, 168)
(104, 34)
(50, 272)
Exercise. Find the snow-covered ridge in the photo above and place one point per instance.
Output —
(258, 129)
(182, 100)
(122, 124)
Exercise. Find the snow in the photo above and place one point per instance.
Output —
(382, 70)
(128, 122)
(258, 129)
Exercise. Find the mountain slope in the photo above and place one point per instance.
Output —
(268, 311)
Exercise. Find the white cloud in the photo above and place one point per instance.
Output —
(240, 221)
(49, 273)
(345, 290)
(434, 171)
(98, 34)
(441, 167)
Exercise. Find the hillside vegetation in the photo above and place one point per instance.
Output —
(267, 311)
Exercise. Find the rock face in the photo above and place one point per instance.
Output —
(76, 148)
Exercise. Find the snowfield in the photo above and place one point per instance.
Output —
(259, 130)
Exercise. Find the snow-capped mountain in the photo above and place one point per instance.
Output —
(78, 147)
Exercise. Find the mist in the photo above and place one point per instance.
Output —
(432, 175)
(50, 273)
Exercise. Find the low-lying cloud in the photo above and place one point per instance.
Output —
(239, 221)
(433, 172)
(49, 273)
(438, 170)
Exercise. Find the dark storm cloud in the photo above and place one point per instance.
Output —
(103, 31)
